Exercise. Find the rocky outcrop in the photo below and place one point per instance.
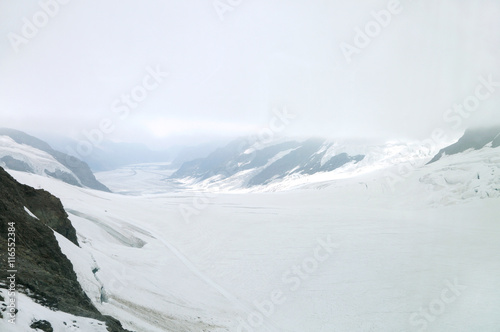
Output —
(44, 273)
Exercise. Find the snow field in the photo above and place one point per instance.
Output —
(412, 257)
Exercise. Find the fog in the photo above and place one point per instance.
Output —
(174, 71)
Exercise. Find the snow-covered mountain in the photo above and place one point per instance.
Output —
(260, 164)
(369, 246)
(22, 152)
(347, 250)
(475, 139)
(467, 169)
(284, 163)
(473, 172)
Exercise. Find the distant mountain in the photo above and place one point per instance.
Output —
(187, 153)
(255, 163)
(476, 139)
(22, 152)
(110, 155)
(44, 273)
(113, 155)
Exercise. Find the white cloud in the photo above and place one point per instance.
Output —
(226, 76)
(164, 127)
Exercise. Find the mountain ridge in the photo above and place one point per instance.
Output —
(473, 138)
(81, 174)
(260, 164)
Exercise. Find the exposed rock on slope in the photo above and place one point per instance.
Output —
(260, 164)
(44, 272)
(471, 139)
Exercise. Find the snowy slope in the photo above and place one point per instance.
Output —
(127, 269)
(470, 175)
(22, 152)
(35, 160)
(377, 250)
(32, 312)
(473, 138)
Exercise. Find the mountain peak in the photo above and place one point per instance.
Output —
(473, 138)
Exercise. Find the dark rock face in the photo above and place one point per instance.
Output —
(42, 325)
(43, 272)
(471, 139)
(78, 167)
(48, 209)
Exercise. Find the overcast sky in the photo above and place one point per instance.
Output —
(230, 63)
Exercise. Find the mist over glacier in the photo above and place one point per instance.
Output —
(249, 166)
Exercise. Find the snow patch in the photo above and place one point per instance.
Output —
(30, 311)
(30, 213)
